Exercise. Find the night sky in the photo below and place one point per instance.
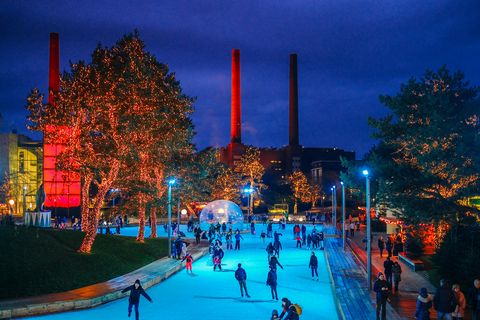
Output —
(349, 52)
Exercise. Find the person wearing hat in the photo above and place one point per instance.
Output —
(135, 291)
(381, 289)
(424, 303)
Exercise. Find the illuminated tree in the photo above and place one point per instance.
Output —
(123, 111)
(301, 189)
(314, 193)
(427, 159)
(251, 171)
(227, 185)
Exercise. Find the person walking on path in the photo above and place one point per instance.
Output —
(474, 299)
(273, 262)
(198, 234)
(388, 246)
(238, 236)
(352, 229)
(459, 312)
(272, 282)
(396, 272)
(188, 262)
(133, 301)
(388, 268)
(424, 303)
(241, 276)
(381, 289)
(444, 301)
(313, 265)
(381, 245)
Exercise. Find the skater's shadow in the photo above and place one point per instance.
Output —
(193, 275)
(232, 298)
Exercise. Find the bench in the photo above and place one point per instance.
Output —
(414, 264)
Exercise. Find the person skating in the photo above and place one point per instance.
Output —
(304, 234)
(252, 227)
(273, 262)
(444, 301)
(309, 241)
(299, 242)
(271, 251)
(272, 282)
(321, 236)
(238, 236)
(133, 301)
(313, 265)
(241, 276)
(381, 289)
(262, 236)
(396, 272)
(188, 262)
(424, 303)
(218, 255)
(474, 299)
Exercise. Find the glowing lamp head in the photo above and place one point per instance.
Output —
(248, 190)
(183, 212)
(341, 182)
(11, 202)
(171, 181)
(365, 172)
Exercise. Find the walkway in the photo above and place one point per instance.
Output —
(405, 301)
(215, 295)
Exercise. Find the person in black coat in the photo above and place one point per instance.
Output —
(444, 300)
(135, 291)
(241, 276)
(474, 299)
(388, 268)
(272, 282)
(313, 265)
(274, 262)
(381, 289)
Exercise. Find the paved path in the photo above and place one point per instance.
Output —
(405, 301)
(215, 295)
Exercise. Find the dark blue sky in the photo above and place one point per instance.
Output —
(349, 52)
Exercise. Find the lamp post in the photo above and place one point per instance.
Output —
(343, 214)
(249, 192)
(171, 182)
(369, 229)
(334, 207)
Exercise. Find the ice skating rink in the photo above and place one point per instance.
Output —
(206, 294)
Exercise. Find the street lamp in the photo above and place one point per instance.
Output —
(334, 206)
(343, 214)
(24, 201)
(249, 192)
(369, 229)
(171, 182)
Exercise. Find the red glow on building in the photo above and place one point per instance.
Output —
(236, 117)
(62, 188)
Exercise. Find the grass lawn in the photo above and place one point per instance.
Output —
(36, 261)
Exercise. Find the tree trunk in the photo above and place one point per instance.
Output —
(85, 200)
(94, 214)
(141, 219)
(153, 220)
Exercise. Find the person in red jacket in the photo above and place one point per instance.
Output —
(188, 262)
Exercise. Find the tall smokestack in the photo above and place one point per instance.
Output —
(236, 116)
(293, 103)
(54, 68)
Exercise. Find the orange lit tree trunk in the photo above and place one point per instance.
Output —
(85, 200)
(141, 218)
(94, 214)
(153, 222)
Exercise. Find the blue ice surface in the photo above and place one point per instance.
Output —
(206, 294)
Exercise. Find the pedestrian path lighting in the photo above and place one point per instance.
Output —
(334, 206)
(171, 182)
(343, 213)
(369, 228)
(249, 191)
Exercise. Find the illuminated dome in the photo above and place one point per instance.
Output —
(221, 211)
